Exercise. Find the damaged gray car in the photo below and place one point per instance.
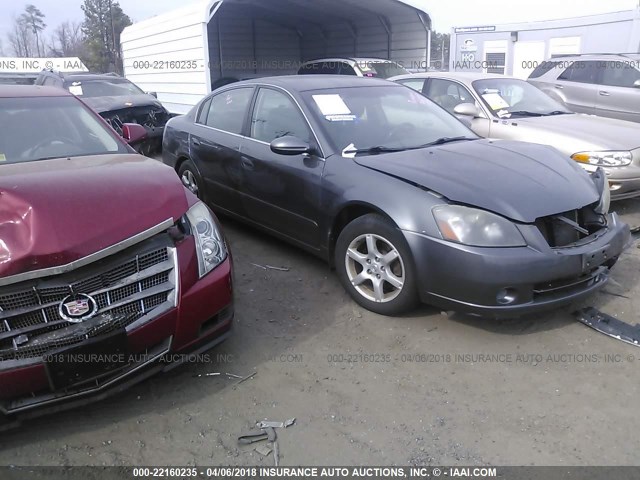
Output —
(399, 196)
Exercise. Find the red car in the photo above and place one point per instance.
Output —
(110, 270)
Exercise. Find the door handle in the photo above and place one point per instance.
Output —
(604, 94)
(247, 163)
(559, 87)
(195, 141)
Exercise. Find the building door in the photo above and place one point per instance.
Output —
(526, 57)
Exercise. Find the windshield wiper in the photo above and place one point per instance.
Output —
(559, 112)
(372, 150)
(443, 140)
(526, 113)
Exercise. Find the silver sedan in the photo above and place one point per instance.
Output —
(507, 108)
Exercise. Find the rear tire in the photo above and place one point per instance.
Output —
(191, 179)
(374, 264)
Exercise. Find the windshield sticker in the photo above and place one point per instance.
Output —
(495, 101)
(340, 118)
(503, 113)
(2, 157)
(331, 105)
(349, 151)
(75, 90)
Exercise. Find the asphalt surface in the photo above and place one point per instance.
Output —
(427, 388)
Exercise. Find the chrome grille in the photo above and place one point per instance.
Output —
(126, 286)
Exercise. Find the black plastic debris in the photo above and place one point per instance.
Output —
(609, 325)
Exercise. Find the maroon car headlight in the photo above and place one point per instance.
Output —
(210, 247)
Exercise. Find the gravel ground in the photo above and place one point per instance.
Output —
(366, 389)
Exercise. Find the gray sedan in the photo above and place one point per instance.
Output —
(508, 108)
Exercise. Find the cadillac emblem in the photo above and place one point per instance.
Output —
(77, 308)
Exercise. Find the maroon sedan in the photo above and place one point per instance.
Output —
(110, 270)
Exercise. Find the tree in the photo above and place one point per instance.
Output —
(1, 48)
(21, 38)
(67, 40)
(440, 49)
(33, 18)
(103, 23)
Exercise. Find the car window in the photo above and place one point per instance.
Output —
(448, 94)
(619, 74)
(346, 69)
(204, 111)
(64, 126)
(580, 71)
(390, 116)
(416, 83)
(543, 68)
(276, 115)
(48, 81)
(228, 109)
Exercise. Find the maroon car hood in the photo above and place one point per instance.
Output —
(53, 212)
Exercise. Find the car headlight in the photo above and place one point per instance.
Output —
(210, 247)
(604, 159)
(475, 227)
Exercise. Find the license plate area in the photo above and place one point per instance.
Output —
(90, 360)
(594, 259)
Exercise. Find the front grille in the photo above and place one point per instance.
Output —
(125, 286)
(569, 228)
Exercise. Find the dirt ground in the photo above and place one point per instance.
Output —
(370, 390)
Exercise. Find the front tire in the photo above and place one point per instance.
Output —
(375, 265)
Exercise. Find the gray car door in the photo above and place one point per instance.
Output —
(577, 86)
(617, 96)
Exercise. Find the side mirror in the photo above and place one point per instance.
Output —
(290, 145)
(636, 84)
(466, 110)
(133, 133)
(153, 94)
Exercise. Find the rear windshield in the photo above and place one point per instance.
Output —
(543, 68)
(116, 87)
(40, 128)
(381, 69)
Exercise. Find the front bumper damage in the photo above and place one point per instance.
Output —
(509, 282)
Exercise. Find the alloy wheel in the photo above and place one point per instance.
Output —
(189, 181)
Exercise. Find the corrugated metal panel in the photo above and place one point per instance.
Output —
(249, 38)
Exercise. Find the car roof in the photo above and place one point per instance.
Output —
(464, 76)
(302, 83)
(24, 91)
(351, 59)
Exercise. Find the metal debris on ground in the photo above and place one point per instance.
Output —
(264, 450)
(270, 267)
(247, 378)
(609, 325)
(266, 431)
(216, 374)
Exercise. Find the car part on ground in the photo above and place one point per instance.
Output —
(609, 325)
(508, 108)
(400, 197)
(110, 270)
(117, 100)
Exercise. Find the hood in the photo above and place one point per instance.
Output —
(107, 104)
(579, 132)
(521, 181)
(53, 212)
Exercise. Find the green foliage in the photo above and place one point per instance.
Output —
(103, 23)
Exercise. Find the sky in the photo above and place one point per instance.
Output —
(444, 13)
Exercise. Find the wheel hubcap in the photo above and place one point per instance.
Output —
(189, 181)
(375, 268)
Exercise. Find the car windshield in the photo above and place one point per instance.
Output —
(116, 87)
(381, 69)
(510, 97)
(382, 117)
(39, 128)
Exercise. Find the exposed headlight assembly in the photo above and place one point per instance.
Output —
(475, 227)
(210, 247)
(604, 159)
